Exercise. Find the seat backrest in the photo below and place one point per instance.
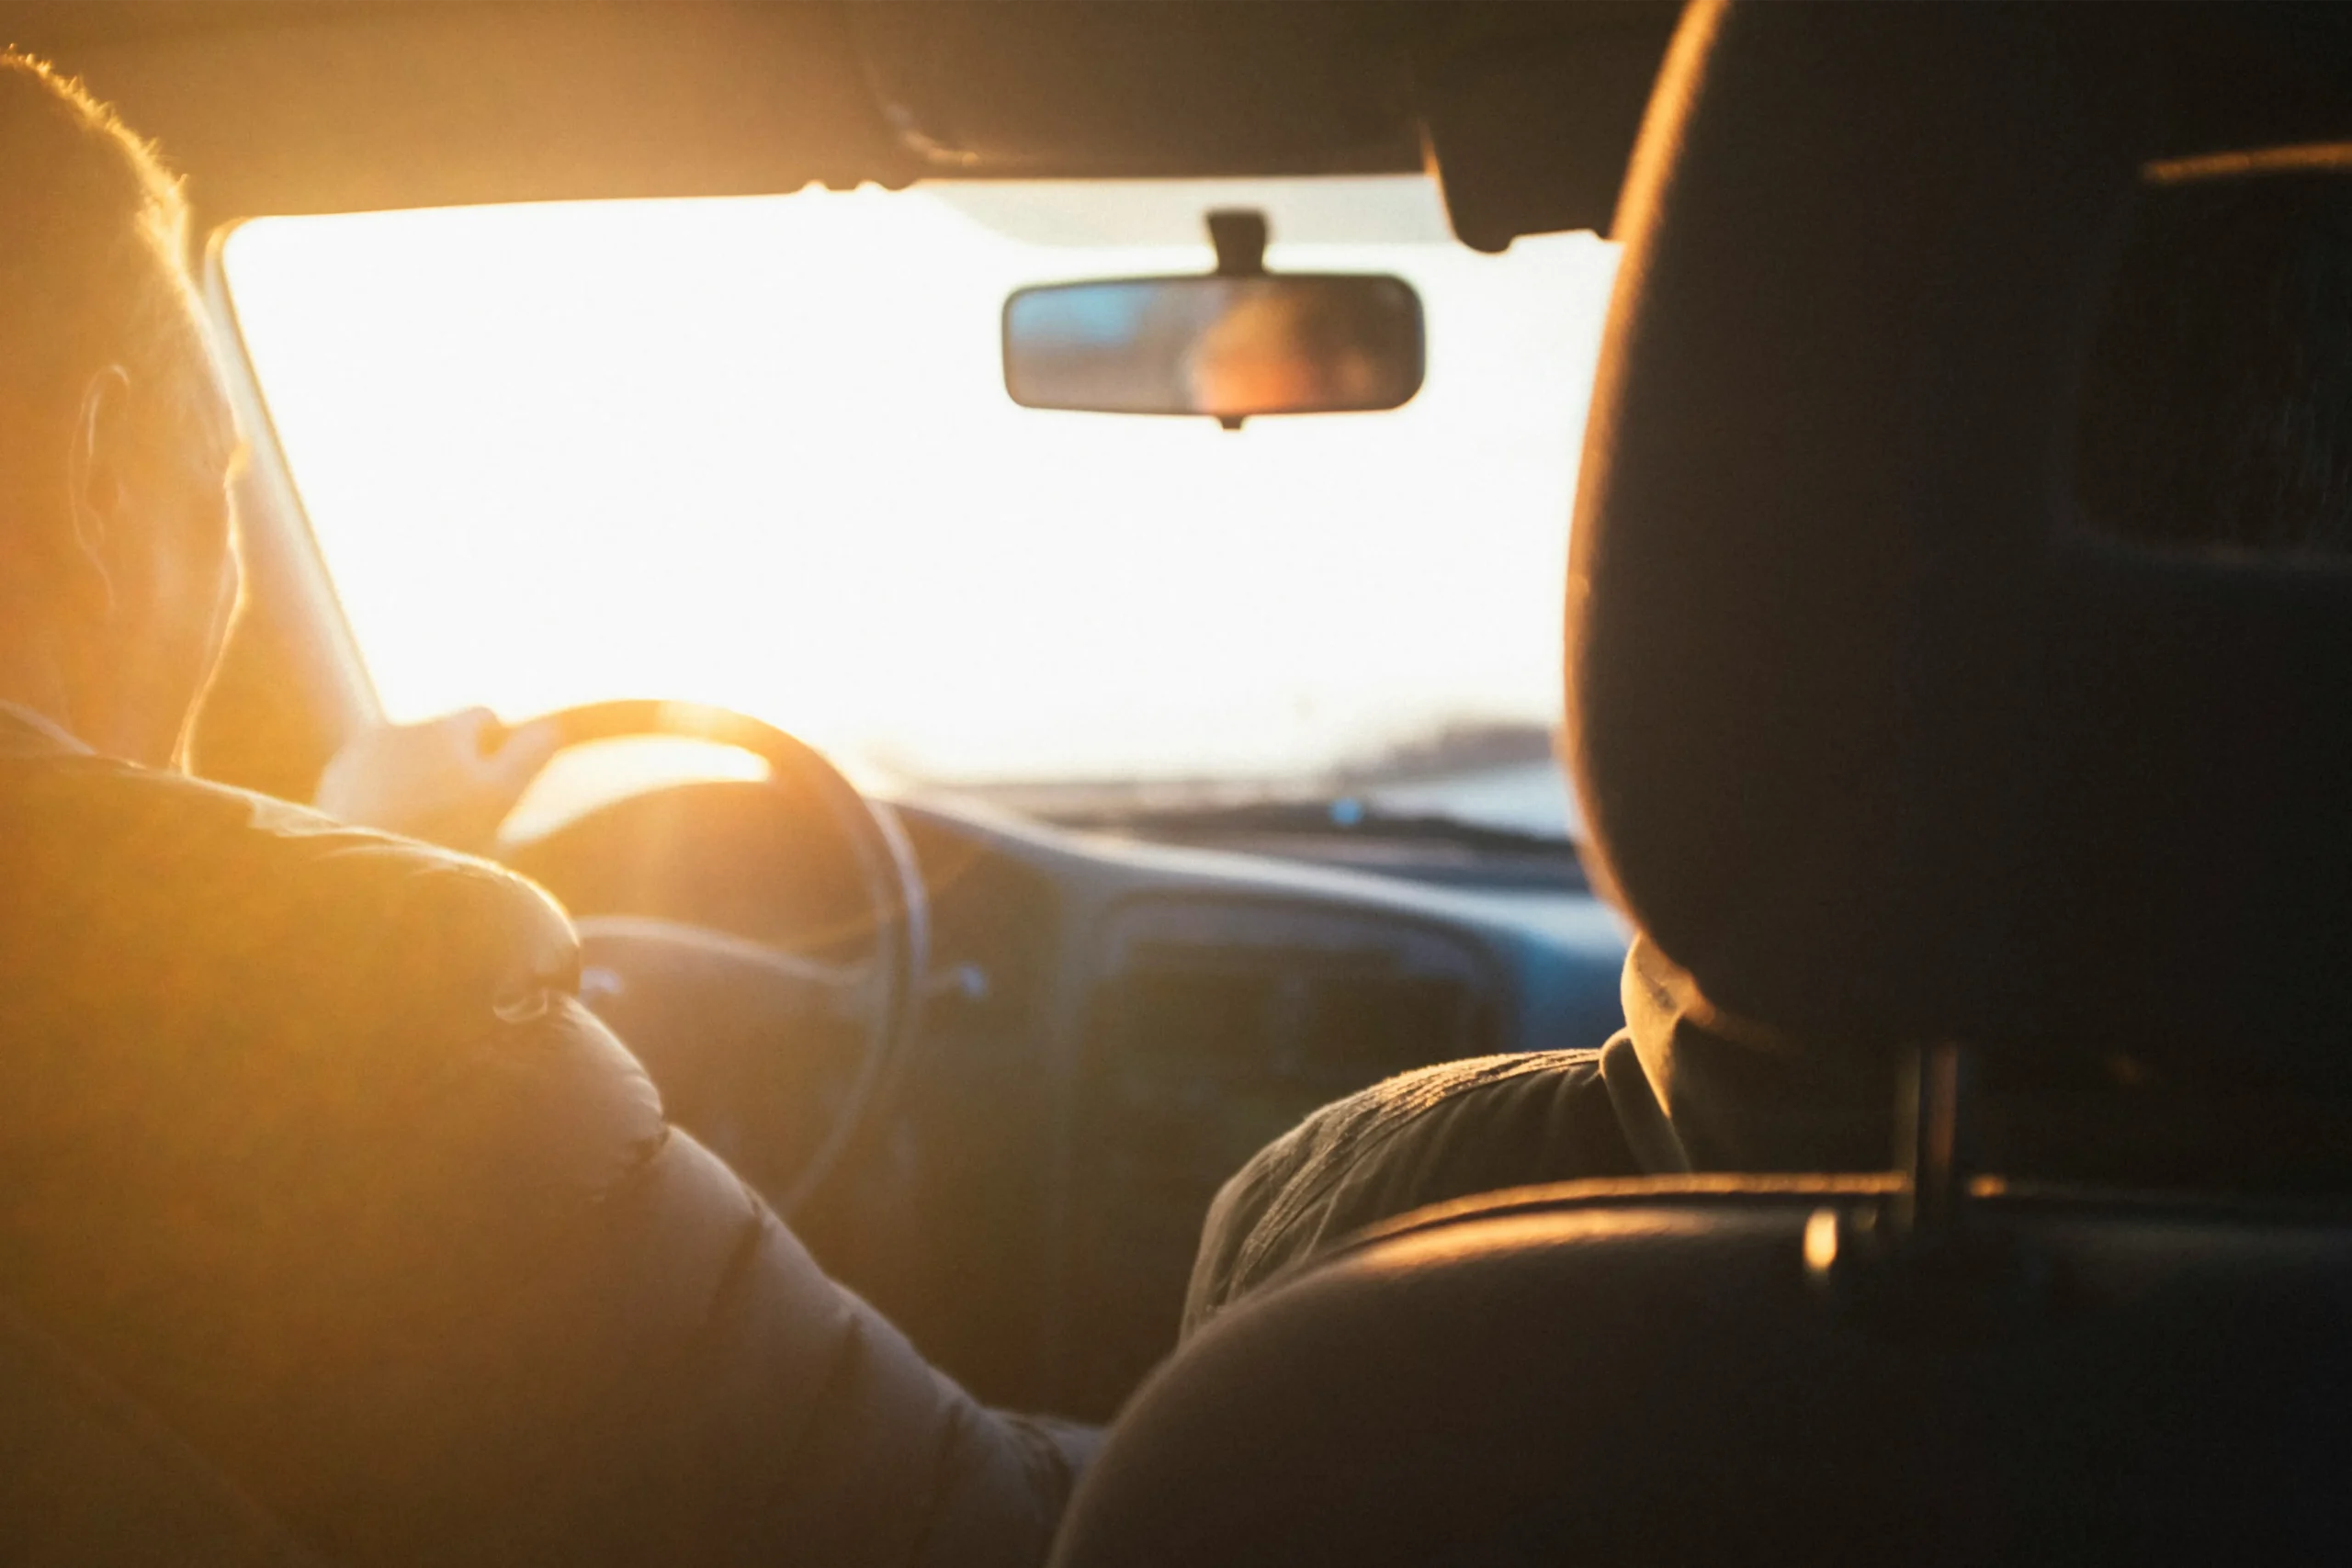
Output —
(1650, 1373)
(1886, 747)
(90, 1477)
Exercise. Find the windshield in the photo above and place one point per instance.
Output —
(758, 452)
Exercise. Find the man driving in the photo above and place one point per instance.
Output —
(305, 1139)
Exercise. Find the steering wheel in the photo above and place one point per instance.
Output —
(638, 971)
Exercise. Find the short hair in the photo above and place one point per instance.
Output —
(93, 235)
(2217, 410)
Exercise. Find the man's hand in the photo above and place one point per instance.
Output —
(450, 780)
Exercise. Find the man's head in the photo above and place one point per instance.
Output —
(1281, 348)
(116, 441)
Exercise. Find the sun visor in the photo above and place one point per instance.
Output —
(280, 108)
(277, 108)
(1134, 90)
(1531, 133)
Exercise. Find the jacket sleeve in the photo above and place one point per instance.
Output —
(317, 1152)
(1426, 1136)
(680, 1381)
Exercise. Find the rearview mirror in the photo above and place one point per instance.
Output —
(1228, 347)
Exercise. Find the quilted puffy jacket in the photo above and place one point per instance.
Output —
(307, 1143)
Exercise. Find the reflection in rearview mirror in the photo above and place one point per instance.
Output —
(1228, 347)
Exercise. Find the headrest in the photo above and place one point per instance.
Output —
(1880, 733)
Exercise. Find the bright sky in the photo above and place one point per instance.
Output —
(758, 453)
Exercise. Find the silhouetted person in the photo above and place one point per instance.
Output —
(305, 1139)
(1291, 345)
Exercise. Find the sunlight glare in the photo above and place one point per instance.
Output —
(758, 453)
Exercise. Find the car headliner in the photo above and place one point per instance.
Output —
(314, 105)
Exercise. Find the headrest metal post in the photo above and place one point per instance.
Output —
(1925, 1257)
(1934, 1133)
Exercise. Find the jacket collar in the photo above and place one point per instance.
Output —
(1744, 1097)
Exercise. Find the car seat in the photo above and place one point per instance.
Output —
(1881, 737)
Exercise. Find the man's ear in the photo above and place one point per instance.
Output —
(98, 481)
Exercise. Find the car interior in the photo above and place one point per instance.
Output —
(1113, 338)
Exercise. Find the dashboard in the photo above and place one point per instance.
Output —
(1113, 1028)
